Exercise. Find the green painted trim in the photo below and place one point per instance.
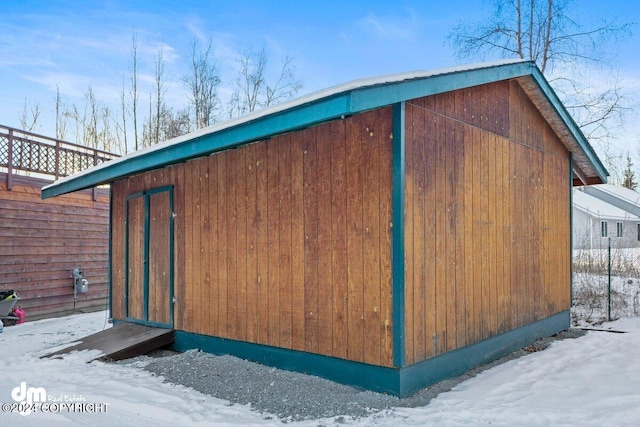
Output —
(575, 130)
(148, 323)
(397, 234)
(457, 362)
(146, 194)
(264, 127)
(397, 381)
(376, 96)
(371, 377)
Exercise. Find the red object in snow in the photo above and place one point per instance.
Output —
(20, 314)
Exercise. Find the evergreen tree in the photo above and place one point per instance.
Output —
(629, 176)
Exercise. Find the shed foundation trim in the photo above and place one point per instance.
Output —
(401, 382)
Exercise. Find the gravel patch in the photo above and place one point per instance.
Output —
(292, 396)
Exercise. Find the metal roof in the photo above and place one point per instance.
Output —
(344, 100)
(599, 208)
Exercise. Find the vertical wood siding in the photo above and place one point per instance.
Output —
(487, 219)
(41, 242)
(285, 242)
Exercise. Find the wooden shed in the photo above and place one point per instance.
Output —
(386, 233)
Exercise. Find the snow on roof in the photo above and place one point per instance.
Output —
(622, 193)
(328, 104)
(599, 208)
(305, 99)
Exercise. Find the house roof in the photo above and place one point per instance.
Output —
(600, 209)
(343, 100)
(620, 192)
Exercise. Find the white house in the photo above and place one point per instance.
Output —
(604, 211)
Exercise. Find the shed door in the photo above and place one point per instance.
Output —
(149, 282)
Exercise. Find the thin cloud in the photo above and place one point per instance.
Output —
(391, 27)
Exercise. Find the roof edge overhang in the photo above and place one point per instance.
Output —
(587, 167)
(318, 107)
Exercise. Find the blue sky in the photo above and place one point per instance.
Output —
(74, 44)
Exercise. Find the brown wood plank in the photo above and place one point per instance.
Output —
(324, 208)
(500, 244)
(159, 279)
(338, 238)
(428, 205)
(469, 280)
(135, 276)
(506, 239)
(214, 251)
(39, 212)
(440, 236)
(355, 317)
(232, 244)
(118, 245)
(311, 247)
(222, 246)
(485, 163)
(423, 191)
(297, 236)
(371, 227)
(240, 179)
(199, 287)
(262, 248)
(450, 198)
(123, 341)
(385, 170)
(206, 293)
(253, 303)
(458, 209)
(291, 333)
(493, 279)
(477, 238)
(273, 238)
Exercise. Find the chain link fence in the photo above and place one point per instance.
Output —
(606, 285)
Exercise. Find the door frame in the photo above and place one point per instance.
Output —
(146, 194)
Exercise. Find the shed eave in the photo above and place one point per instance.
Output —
(367, 98)
(173, 152)
(323, 106)
(583, 153)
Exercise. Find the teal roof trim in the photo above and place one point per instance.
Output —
(261, 128)
(343, 100)
(373, 97)
(560, 109)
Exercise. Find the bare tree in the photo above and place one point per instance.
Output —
(30, 115)
(543, 31)
(61, 122)
(133, 91)
(94, 124)
(175, 124)
(159, 91)
(254, 90)
(122, 128)
(203, 85)
(151, 133)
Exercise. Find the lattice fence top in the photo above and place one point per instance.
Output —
(28, 152)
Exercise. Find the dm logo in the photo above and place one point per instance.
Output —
(29, 396)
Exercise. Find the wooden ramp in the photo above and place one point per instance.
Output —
(122, 342)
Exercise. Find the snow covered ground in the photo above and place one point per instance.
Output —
(589, 381)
